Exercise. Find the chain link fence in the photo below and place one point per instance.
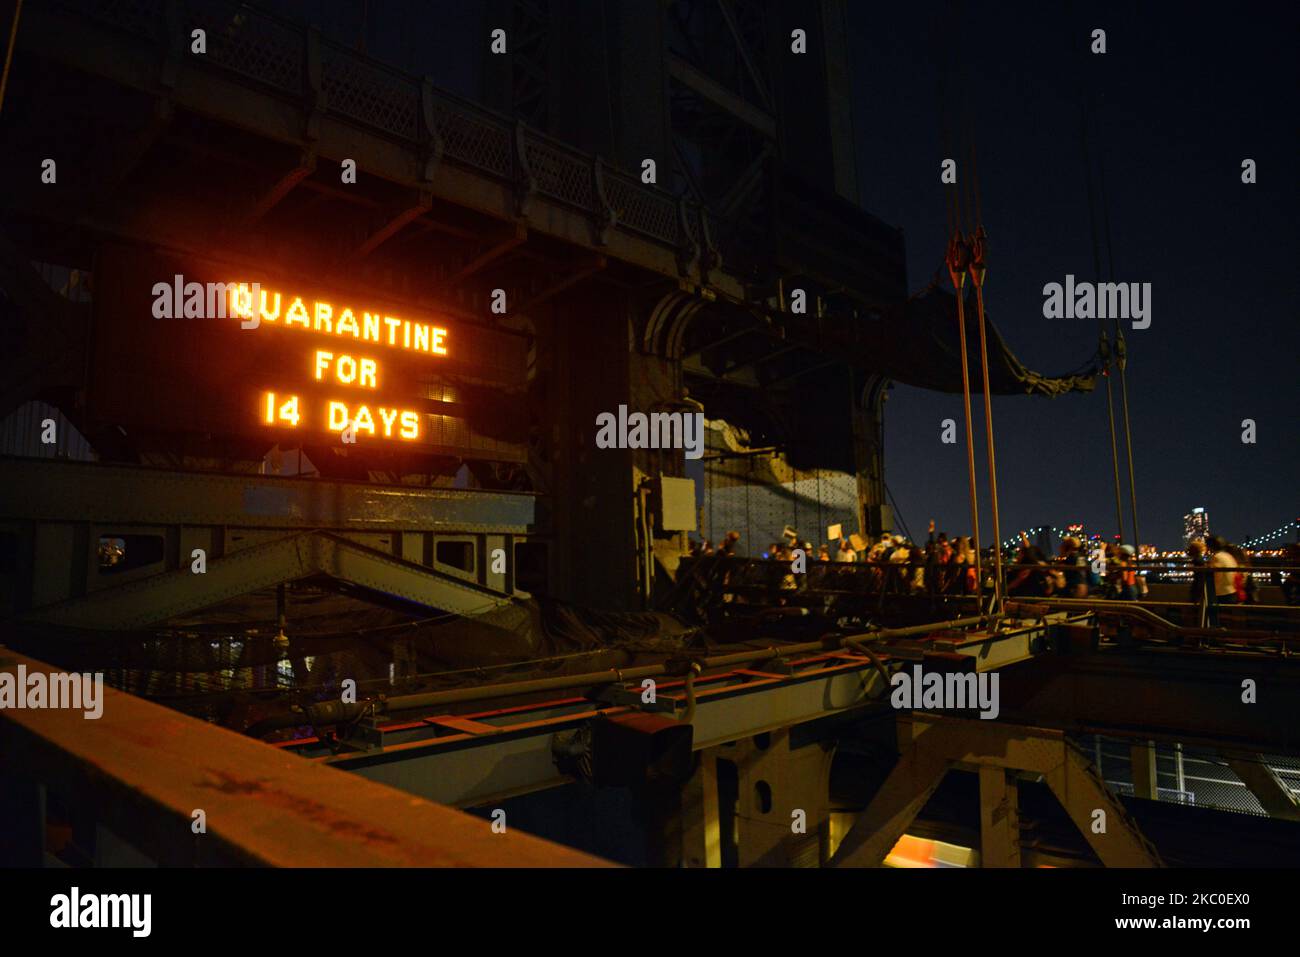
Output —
(1188, 775)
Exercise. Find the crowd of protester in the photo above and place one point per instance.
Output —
(939, 566)
(943, 566)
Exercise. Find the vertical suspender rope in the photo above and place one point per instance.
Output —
(978, 221)
(1114, 449)
(1121, 355)
(977, 272)
(1104, 345)
(946, 134)
(978, 245)
(958, 260)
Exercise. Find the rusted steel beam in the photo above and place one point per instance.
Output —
(494, 252)
(393, 224)
(143, 770)
(283, 186)
(581, 272)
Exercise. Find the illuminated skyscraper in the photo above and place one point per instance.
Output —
(1045, 539)
(1196, 525)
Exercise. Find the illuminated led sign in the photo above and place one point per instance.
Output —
(290, 358)
(256, 306)
(288, 411)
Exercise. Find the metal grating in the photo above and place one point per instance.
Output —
(1190, 775)
(365, 91)
(639, 209)
(559, 173)
(473, 139)
(1173, 795)
(759, 508)
(252, 44)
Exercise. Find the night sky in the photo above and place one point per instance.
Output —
(1184, 95)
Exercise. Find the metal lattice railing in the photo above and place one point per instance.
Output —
(250, 43)
(560, 174)
(369, 92)
(1190, 775)
(274, 53)
(648, 212)
(480, 141)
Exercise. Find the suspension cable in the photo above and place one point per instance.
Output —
(958, 260)
(1121, 347)
(947, 54)
(968, 254)
(978, 271)
(977, 222)
(1104, 344)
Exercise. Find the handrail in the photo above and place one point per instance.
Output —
(1126, 609)
(745, 576)
(334, 712)
(142, 770)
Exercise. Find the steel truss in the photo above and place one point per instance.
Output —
(929, 746)
(254, 531)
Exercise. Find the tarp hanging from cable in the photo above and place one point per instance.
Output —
(917, 344)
